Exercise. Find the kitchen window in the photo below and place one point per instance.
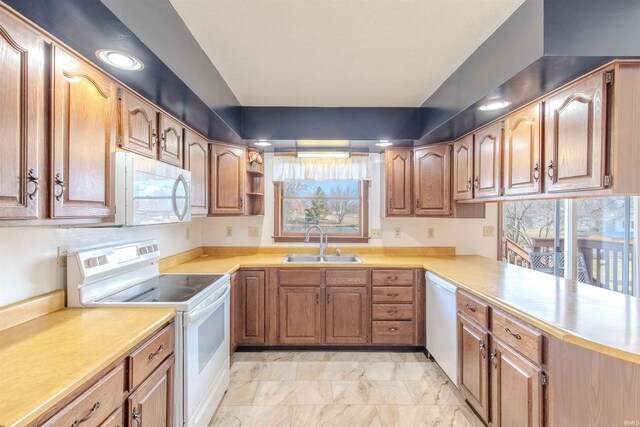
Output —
(590, 240)
(340, 207)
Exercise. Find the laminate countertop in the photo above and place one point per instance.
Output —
(598, 319)
(44, 360)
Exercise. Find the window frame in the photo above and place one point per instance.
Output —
(280, 236)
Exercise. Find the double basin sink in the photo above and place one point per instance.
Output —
(317, 259)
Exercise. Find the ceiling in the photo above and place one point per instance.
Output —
(340, 53)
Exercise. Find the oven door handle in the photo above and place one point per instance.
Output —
(193, 317)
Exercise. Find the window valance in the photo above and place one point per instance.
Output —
(322, 169)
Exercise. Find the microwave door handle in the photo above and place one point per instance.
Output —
(193, 317)
(174, 196)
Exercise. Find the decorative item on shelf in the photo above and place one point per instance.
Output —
(255, 159)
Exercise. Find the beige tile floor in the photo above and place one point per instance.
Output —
(325, 388)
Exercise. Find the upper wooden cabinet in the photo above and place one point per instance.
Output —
(463, 168)
(432, 178)
(227, 180)
(487, 143)
(575, 138)
(138, 125)
(398, 180)
(21, 105)
(171, 143)
(197, 161)
(523, 151)
(84, 133)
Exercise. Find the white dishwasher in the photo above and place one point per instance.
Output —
(442, 330)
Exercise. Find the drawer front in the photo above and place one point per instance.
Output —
(115, 420)
(392, 277)
(300, 277)
(392, 312)
(392, 332)
(96, 404)
(473, 308)
(521, 337)
(392, 294)
(346, 277)
(147, 358)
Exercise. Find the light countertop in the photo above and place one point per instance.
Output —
(45, 359)
(594, 318)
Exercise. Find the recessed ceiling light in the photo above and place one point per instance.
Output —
(384, 143)
(323, 154)
(120, 59)
(262, 143)
(494, 105)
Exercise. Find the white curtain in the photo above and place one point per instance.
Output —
(322, 169)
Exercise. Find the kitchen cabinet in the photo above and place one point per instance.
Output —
(473, 343)
(171, 140)
(346, 319)
(575, 135)
(21, 104)
(197, 161)
(251, 306)
(138, 125)
(393, 309)
(228, 165)
(463, 168)
(398, 182)
(233, 312)
(300, 315)
(432, 179)
(516, 389)
(523, 151)
(150, 405)
(84, 131)
(487, 143)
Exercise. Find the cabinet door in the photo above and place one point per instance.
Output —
(463, 168)
(233, 322)
(151, 404)
(432, 180)
(522, 151)
(346, 316)
(22, 95)
(171, 146)
(84, 132)
(300, 315)
(251, 297)
(398, 172)
(227, 180)
(473, 365)
(487, 145)
(516, 389)
(197, 161)
(575, 137)
(138, 125)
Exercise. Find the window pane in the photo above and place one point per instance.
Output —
(334, 216)
(309, 188)
(605, 232)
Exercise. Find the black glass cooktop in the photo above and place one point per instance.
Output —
(165, 288)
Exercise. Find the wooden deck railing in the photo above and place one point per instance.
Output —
(516, 255)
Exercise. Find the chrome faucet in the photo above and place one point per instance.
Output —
(324, 242)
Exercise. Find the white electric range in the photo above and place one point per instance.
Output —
(127, 274)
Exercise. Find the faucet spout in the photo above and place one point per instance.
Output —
(324, 242)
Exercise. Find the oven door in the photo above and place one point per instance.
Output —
(206, 357)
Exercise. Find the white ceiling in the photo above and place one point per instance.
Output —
(340, 53)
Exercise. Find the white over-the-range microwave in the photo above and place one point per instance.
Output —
(149, 191)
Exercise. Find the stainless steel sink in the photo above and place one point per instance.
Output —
(316, 259)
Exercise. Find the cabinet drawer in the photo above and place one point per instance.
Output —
(521, 337)
(392, 312)
(473, 308)
(392, 277)
(346, 277)
(148, 357)
(392, 332)
(300, 277)
(392, 294)
(96, 404)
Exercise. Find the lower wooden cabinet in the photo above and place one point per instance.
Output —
(473, 344)
(251, 307)
(346, 315)
(300, 315)
(151, 404)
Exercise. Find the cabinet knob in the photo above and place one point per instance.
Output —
(31, 177)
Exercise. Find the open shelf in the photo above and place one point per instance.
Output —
(255, 172)
(254, 186)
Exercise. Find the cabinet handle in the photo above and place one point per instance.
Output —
(536, 172)
(137, 416)
(163, 140)
(31, 177)
(470, 307)
(393, 295)
(494, 358)
(154, 138)
(392, 329)
(59, 183)
(317, 298)
(392, 277)
(241, 202)
(550, 171)
(418, 203)
(483, 349)
(476, 182)
(516, 336)
(91, 413)
(157, 352)
(469, 184)
(328, 298)
(390, 203)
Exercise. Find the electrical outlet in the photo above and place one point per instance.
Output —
(253, 231)
(430, 233)
(487, 231)
(397, 233)
(229, 231)
(62, 256)
(376, 233)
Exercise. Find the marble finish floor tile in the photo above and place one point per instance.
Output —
(434, 393)
(252, 416)
(335, 416)
(427, 416)
(409, 371)
(251, 371)
(293, 393)
(284, 356)
(240, 393)
(330, 371)
(414, 356)
(365, 392)
(360, 356)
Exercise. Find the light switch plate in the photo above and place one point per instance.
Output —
(62, 256)
(253, 231)
(229, 231)
(487, 231)
(430, 233)
(376, 233)
(397, 234)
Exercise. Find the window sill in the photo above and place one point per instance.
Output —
(332, 239)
